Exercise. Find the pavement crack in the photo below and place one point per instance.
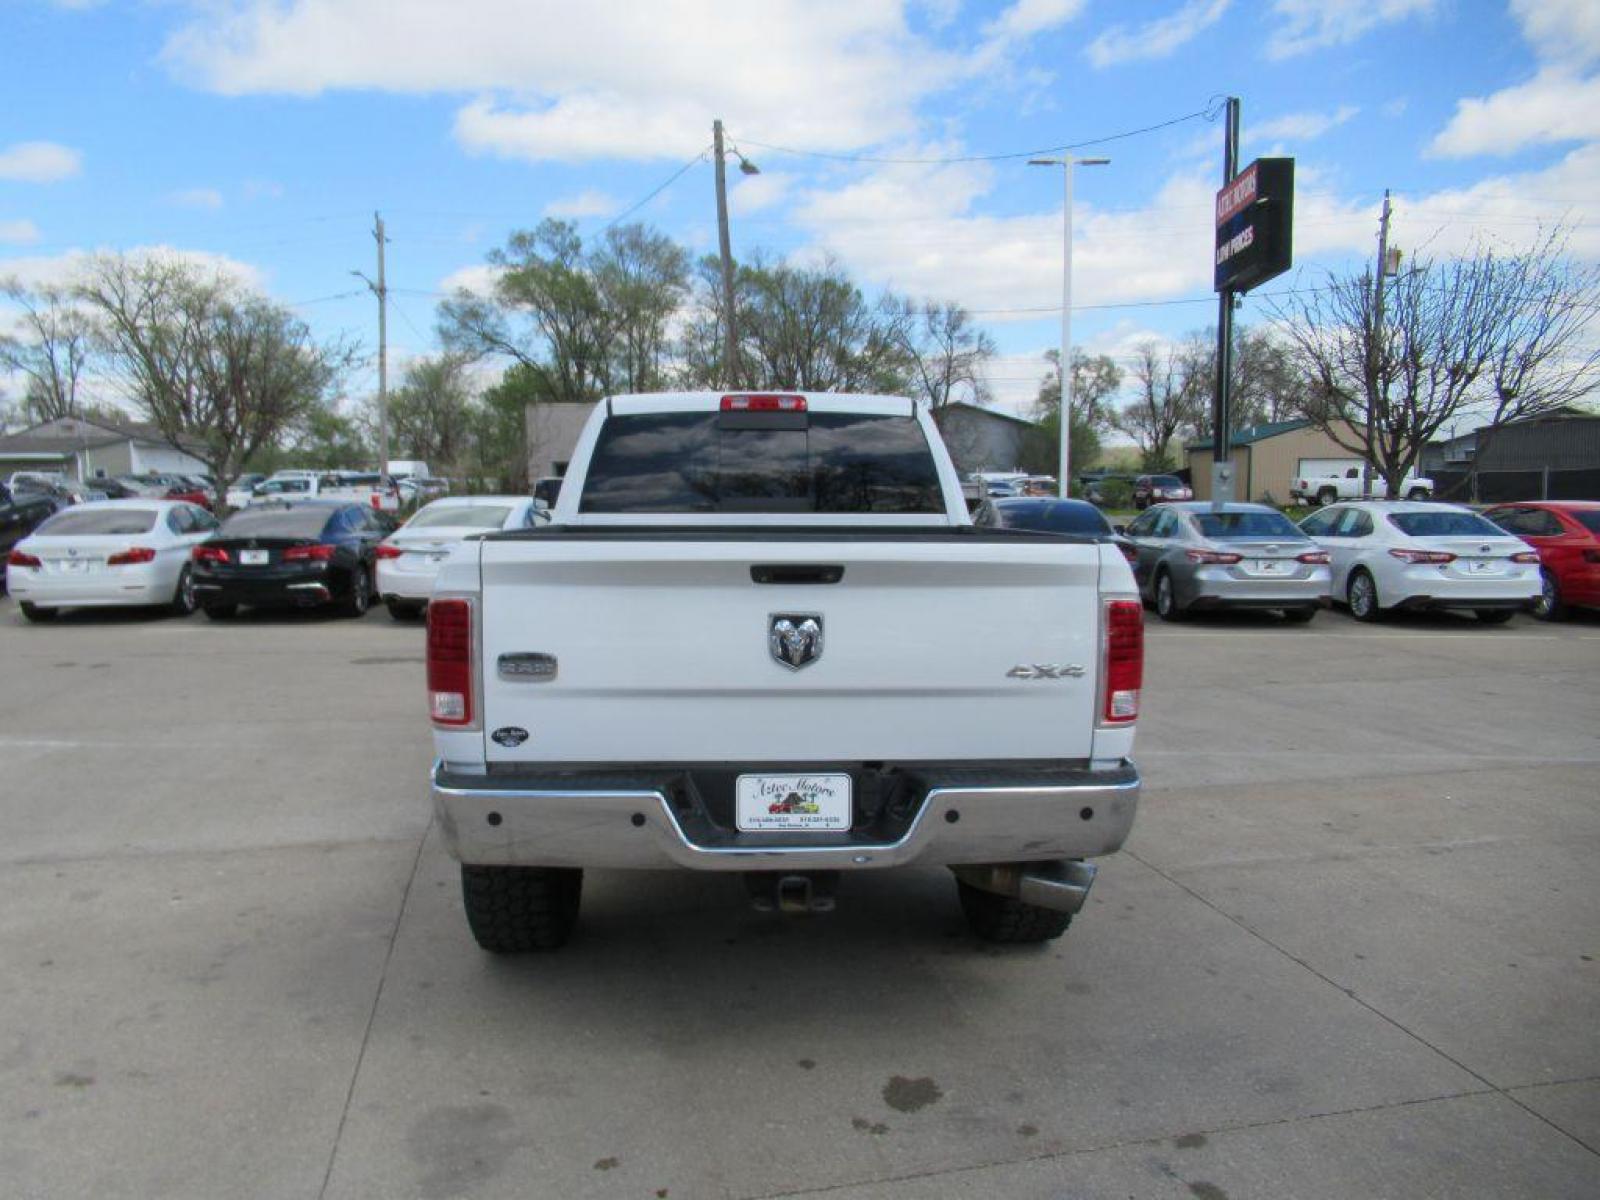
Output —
(1366, 1004)
(372, 1013)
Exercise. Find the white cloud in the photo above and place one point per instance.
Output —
(39, 162)
(1314, 24)
(591, 202)
(554, 80)
(1395, 107)
(1026, 18)
(1158, 38)
(1554, 106)
(479, 279)
(1561, 30)
(197, 198)
(19, 232)
(1302, 126)
(754, 193)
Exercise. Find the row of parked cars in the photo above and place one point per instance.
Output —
(1373, 556)
(277, 553)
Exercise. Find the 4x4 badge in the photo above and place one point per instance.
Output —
(795, 639)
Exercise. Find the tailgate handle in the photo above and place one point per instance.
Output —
(796, 573)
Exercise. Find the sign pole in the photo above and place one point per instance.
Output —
(1221, 415)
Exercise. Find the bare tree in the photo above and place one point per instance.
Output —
(945, 352)
(1268, 384)
(1500, 337)
(1168, 390)
(52, 352)
(219, 370)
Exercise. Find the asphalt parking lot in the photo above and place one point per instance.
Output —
(1351, 950)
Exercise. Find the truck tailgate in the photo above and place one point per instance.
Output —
(661, 648)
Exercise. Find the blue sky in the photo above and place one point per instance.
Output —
(265, 132)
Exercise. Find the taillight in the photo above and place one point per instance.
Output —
(211, 554)
(1424, 556)
(18, 559)
(1122, 661)
(1525, 556)
(134, 554)
(318, 553)
(763, 403)
(1314, 557)
(1213, 556)
(385, 550)
(450, 662)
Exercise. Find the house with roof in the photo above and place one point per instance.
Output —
(982, 439)
(1266, 457)
(84, 448)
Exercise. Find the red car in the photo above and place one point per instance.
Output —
(1158, 489)
(1566, 533)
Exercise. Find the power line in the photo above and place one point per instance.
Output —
(1209, 113)
(656, 191)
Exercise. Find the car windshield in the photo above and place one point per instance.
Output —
(461, 516)
(1166, 481)
(1444, 523)
(91, 522)
(303, 522)
(706, 462)
(1056, 517)
(1246, 525)
(1589, 518)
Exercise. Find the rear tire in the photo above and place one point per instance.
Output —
(1550, 606)
(1326, 497)
(1008, 921)
(1300, 616)
(37, 615)
(405, 610)
(1417, 494)
(1494, 616)
(359, 597)
(183, 600)
(1167, 599)
(221, 612)
(511, 910)
(1362, 596)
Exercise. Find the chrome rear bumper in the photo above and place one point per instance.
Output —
(488, 820)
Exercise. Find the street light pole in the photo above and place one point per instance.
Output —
(1063, 477)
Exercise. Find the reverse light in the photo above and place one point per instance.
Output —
(18, 559)
(1439, 557)
(1121, 661)
(210, 554)
(133, 554)
(1314, 557)
(385, 550)
(1219, 557)
(450, 663)
(763, 403)
(318, 553)
(1525, 556)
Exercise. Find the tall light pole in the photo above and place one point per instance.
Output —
(1066, 163)
(731, 370)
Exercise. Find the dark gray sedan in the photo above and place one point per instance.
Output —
(1189, 557)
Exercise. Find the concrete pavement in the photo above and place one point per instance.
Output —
(1351, 949)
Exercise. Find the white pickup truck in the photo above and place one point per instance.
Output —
(1329, 487)
(761, 635)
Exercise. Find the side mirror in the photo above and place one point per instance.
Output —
(540, 504)
(1120, 529)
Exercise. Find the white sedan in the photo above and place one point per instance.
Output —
(409, 558)
(109, 554)
(1389, 554)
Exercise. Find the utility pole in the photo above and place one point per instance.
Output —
(731, 370)
(381, 291)
(1377, 338)
(1221, 409)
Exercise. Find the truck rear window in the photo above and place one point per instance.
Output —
(695, 462)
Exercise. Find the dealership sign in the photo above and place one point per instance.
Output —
(1255, 225)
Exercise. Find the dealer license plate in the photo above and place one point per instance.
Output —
(1267, 566)
(793, 802)
(1483, 566)
(253, 558)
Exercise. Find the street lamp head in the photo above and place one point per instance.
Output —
(1093, 162)
(746, 167)
(1044, 162)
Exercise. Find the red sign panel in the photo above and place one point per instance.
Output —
(1238, 195)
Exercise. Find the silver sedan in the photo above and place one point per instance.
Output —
(1192, 557)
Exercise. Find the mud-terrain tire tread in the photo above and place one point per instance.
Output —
(511, 910)
(1008, 921)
